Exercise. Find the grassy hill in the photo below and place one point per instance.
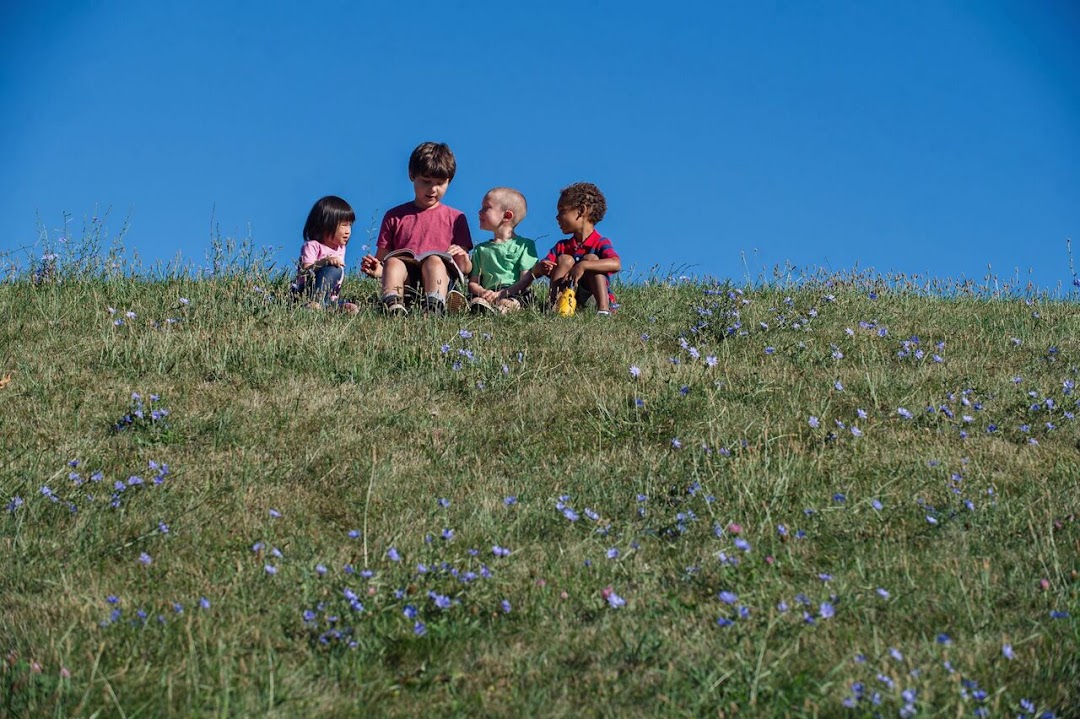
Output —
(835, 497)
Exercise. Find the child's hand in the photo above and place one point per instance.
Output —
(544, 268)
(456, 251)
(491, 295)
(371, 266)
(333, 261)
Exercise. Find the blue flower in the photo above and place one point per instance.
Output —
(443, 502)
(613, 553)
(635, 371)
(393, 555)
(826, 610)
(814, 422)
(419, 629)
(275, 514)
(505, 605)
(728, 597)
(510, 501)
(204, 603)
(724, 622)
(270, 569)
(615, 601)
(145, 558)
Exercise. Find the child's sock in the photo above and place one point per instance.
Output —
(435, 302)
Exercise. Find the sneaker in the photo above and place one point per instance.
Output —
(435, 305)
(481, 306)
(456, 302)
(395, 309)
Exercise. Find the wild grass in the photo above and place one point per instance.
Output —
(836, 495)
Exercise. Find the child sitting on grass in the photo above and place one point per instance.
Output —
(585, 260)
(500, 276)
(321, 268)
(422, 243)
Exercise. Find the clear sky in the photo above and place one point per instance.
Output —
(917, 137)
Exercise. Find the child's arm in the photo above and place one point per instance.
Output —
(523, 283)
(461, 259)
(611, 264)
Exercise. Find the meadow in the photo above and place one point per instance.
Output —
(826, 495)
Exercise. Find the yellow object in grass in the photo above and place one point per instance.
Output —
(567, 302)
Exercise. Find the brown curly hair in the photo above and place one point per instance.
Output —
(584, 196)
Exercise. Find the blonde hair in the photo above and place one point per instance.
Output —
(510, 199)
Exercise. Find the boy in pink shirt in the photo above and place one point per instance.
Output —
(424, 242)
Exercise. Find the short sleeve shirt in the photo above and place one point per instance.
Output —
(407, 227)
(499, 264)
(593, 244)
(311, 252)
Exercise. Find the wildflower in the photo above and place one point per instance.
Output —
(204, 603)
(354, 534)
(465, 334)
(825, 577)
(635, 371)
(883, 593)
(876, 504)
(742, 544)
(185, 301)
(862, 413)
(770, 350)
(447, 534)
(163, 528)
(441, 600)
(944, 638)
(814, 422)
(728, 597)
(615, 601)
(505, 606)
(931, 520)
(612, 553)
(500, 551)
(270, 569)
(419, 629)
(510, 501)
(320, 569)
(856, 432)
(443, 502)
(1056, 614)
(839, 498)
(839, 387)
(275, 514)
(826, 610)
(570, 514)
(393, 555)
(146, 559)
(675, 443)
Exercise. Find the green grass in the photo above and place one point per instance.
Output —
(340, 423)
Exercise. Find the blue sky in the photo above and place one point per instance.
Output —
(930, 138)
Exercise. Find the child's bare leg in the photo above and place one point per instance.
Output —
(434, 276)
(597, 285)
(563, 265)
(393, 278)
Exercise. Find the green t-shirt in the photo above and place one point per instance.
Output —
(498, 264)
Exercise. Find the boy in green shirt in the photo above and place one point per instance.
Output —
(502, 267)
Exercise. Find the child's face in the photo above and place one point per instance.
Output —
(340, 237)
(571, 219)
(429, 190)
(491, 214)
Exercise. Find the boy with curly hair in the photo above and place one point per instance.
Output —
(586, 258)
(423, 243)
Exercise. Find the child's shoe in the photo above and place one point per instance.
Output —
(481, 306)
(456, 302)
(434, 304)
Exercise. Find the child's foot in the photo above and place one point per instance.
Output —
(456, 302)
(435, 305)
(481, 306)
